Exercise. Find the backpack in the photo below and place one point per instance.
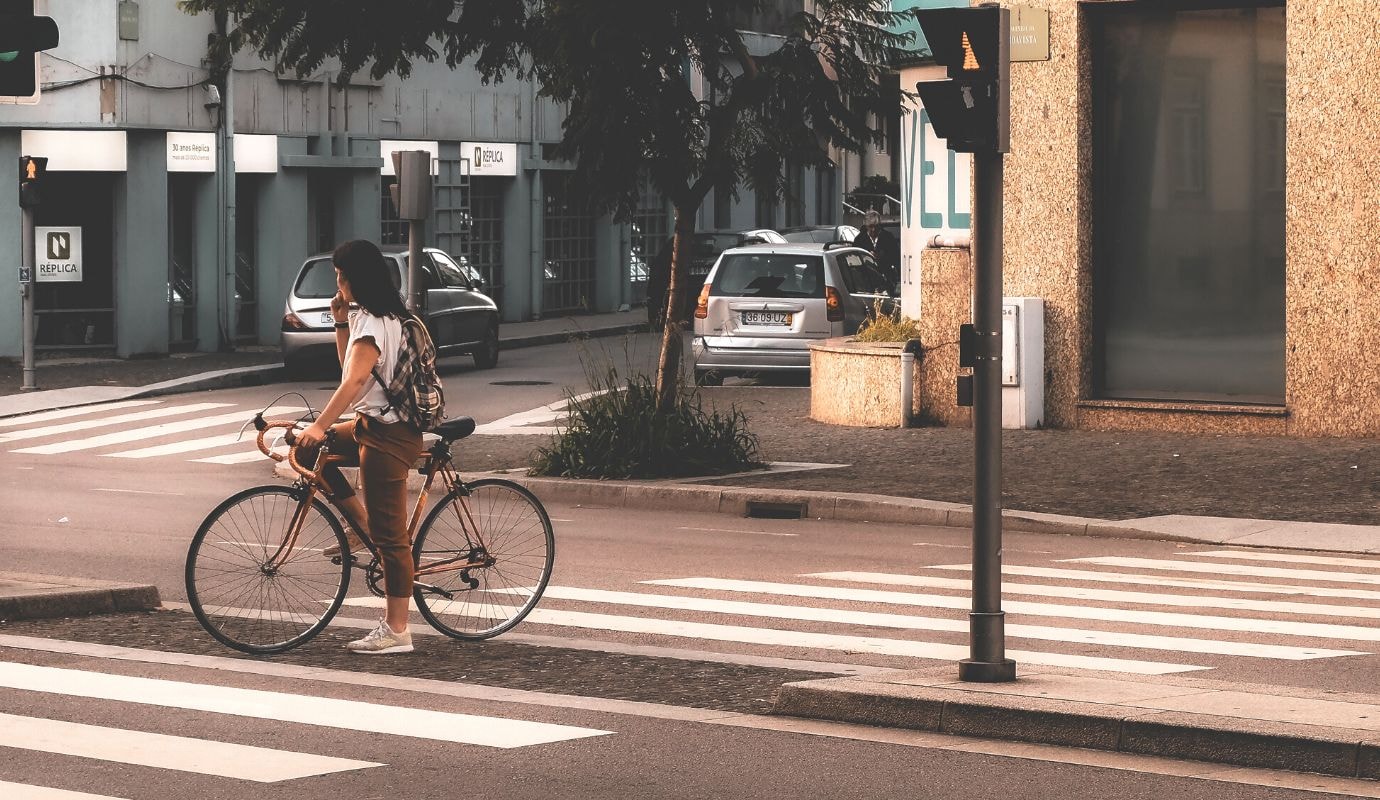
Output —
(415, 391)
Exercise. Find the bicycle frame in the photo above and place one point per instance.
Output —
(439, 462)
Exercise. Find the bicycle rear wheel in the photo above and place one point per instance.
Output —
(511, 534)
(248, 603)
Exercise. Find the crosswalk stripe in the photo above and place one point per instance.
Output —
(185, 446)
(234, 458)
(1181, 583)
(1230, 569)
(88, 424)
(1109, 595)
(25, 791)
(65, 413)
(184, 754)
(832, 641)
(1120, 615)
(1293, 558)
(154, 431)
(283, 707)
(908, 622)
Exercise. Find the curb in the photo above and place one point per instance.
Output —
(46, 596)
(828, 505)
(1098, 726)
(559, 337)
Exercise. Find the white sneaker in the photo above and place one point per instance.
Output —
(382, 640)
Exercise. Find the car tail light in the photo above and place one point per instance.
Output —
(834, 304)
(702, 307)
(292, 322)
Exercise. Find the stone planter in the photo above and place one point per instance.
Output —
(859, 383)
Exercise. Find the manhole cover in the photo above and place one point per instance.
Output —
(519, 383)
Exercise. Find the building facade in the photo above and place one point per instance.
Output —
(191, 232)
(1191, 190)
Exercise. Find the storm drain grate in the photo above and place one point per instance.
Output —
(519, 383)
(766, 510)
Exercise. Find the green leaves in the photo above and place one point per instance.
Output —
(618, 433)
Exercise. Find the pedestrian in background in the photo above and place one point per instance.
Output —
(882, 245)
(367, 343)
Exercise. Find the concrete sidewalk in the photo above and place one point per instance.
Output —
(30, 596)
(512, 336)
(1245, 725)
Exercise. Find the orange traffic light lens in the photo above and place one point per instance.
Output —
(970, 62)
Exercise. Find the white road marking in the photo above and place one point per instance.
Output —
(832, 641)
(137, 416)
(530, 422)
(1109, 595)
(24, 791)
(203, 756)
(187, 446)
(1181, 583)
(908, 622)
(65, 413)
(139, 491)
(284, 707)
(1118, 615)
(1231, 569)
(238, 458)
(1293, 558)
(151, 432)
(735, 530)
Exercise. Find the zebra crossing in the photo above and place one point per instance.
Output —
(209, 757)
(201, 432)
(1071, 621)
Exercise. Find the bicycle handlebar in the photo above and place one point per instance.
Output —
(291, 457)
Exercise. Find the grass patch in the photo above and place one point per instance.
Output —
(883, 327)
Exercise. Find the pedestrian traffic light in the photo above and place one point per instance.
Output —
(22, 37)
(31, 172)
(972, 108)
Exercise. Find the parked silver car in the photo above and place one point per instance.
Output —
(461, 318)
(761, 306)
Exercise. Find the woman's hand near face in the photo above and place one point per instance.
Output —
(340, 307)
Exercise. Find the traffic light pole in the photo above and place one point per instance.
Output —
(986, 622)
(26, 290)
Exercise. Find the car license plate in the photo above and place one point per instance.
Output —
(327, 318)
(766, 318)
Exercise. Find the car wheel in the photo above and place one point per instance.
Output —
(708, 377)
(486, 355)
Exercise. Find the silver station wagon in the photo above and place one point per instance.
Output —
(761, 305)
(461, 318)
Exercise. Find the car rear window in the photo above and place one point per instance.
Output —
(769, 275)
(317, 281)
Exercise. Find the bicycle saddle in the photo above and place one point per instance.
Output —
(457, 428)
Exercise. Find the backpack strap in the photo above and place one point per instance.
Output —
(394, 402)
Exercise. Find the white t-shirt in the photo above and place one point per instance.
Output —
(387, 335)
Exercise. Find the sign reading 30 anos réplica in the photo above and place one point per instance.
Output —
(58, 256)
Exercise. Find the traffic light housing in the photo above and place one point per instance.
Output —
(31, 172)
(22, 36)
(972, 108)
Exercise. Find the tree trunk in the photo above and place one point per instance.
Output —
(672, 340)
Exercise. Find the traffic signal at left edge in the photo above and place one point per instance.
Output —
(23, 35)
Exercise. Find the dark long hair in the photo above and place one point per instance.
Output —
(369, 276)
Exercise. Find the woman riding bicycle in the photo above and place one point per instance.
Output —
(387, 446)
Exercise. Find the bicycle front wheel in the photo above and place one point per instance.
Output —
(255, 587)
(502, 529)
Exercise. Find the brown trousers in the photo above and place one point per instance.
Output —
(385, 453)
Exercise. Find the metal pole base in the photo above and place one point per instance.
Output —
(987, 671)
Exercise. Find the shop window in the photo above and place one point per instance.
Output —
(651, 227)
(568, 248)
(1187, 137)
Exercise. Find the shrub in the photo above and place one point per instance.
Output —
(884, 327)
(616, 432)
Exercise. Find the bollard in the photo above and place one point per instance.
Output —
(907, 386)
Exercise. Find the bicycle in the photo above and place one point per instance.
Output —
(258, 578)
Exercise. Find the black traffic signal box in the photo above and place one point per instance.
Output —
(972, 108)
(22, 37)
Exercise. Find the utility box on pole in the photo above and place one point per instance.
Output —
(412, 198)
